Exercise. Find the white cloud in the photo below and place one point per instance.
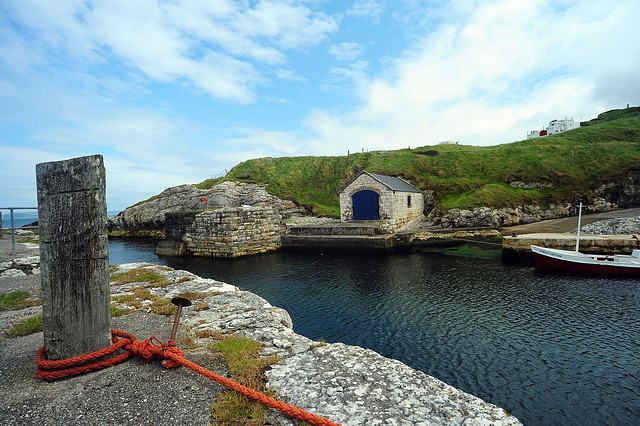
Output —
(352, 79)
(287, 24)
(290, 75)
(618, 87)
(481, 82)
(264, 142)
(215, 47)
(370, 9)
(346, 51)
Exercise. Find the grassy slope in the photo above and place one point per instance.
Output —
(466, 176)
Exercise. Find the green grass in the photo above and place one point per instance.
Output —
(139, 275)
(572, 163)
(247, 368)
(26, 327)
(29, 240)
(116, 312)
(16, 300)
(209, 183)
(311, 181)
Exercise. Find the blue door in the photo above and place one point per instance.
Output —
(366, 205)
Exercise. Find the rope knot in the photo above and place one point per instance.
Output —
(142, 349)
(169, 353)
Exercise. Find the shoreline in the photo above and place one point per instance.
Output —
(347, 384)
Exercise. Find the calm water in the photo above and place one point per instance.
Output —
(551, 349)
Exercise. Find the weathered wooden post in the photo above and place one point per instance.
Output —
(74, 256)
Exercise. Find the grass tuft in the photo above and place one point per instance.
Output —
(29, 241)
(26, 327)
(16, 300)
(139, 275)
(116, 311)
(247, 368)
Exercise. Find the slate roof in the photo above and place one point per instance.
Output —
(393, 183)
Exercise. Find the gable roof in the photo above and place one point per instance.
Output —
(393, 183)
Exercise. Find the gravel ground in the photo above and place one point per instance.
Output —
(132, 393)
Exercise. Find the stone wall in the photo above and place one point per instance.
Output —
(404, 213)
(226, 232)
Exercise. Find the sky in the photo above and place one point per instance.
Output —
(173, 92)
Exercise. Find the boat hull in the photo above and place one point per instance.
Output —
(566, 261)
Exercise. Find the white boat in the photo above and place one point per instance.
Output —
(574, 261)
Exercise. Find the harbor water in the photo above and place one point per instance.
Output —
(550, 349)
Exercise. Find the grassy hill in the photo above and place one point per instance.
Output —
(564, 167)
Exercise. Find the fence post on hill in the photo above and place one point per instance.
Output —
(74, 256)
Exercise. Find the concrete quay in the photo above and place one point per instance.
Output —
(339, 243)
(365, 237)
(339, 237)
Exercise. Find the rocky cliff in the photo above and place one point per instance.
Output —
(613, 195)
(147, 218)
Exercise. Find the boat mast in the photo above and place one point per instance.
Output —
(579, 219)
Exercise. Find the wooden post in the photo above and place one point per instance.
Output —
(74, 256)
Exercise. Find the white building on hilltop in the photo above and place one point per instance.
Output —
(555, 126)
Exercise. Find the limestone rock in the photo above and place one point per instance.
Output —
(507, 216)
(149, 215)
(12, 273)
(356, 386)
(617, 194)
(20, 266)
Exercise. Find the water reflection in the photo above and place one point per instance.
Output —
(551, 349)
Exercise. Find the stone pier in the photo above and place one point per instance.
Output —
(223, 232)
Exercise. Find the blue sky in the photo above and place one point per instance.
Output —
(174, 92)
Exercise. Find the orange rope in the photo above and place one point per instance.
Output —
(171, 356)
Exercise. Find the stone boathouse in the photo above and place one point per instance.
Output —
(391, 201)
